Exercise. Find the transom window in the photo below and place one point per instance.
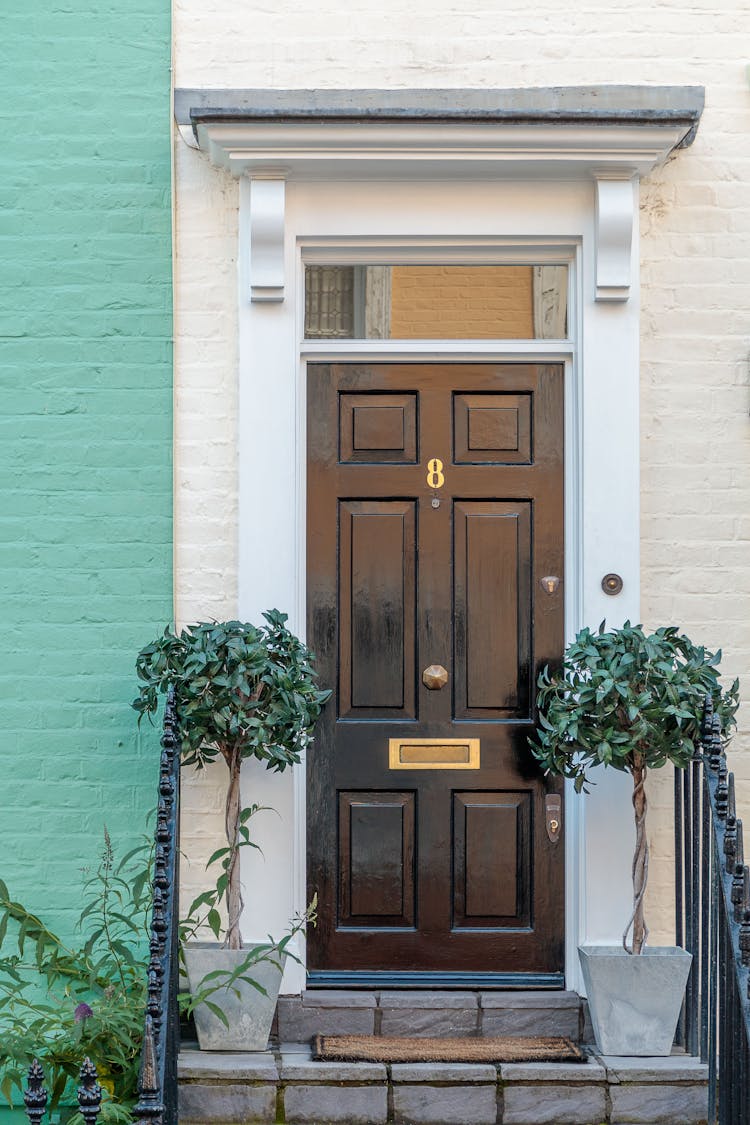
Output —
(436, 302)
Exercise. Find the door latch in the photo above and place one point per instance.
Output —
(553, 816)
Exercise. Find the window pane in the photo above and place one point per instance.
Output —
(436, 302)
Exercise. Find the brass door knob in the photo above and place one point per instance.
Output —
(435, 677)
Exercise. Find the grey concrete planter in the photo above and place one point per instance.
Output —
(634, 1001)
(250, 1015)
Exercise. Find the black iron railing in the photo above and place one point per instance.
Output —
(157, 1089)
(157, 1086)
(713, 923)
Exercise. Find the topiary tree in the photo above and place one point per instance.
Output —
(241, 692)
(632, 702)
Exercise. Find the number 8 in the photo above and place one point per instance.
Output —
(435, 477)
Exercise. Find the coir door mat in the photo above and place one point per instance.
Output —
(372, 1048)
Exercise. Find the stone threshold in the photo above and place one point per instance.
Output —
(286, 1085)
(441, 1013)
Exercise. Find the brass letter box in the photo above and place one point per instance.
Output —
(433, 753)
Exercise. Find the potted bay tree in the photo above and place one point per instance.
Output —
(241, 691)
(631, 702)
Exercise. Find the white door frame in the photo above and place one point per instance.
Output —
(512, 221)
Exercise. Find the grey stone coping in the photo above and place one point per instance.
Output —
(526, 1000)
(295, 1065)
(443, 1072)
(604, 104)
(295, 1068)
(229, 1066)
(427, 999)
(670, 1070)
(589, 1071)
(334, 998)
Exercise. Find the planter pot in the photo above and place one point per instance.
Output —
(634, 1000)
(250, 1014)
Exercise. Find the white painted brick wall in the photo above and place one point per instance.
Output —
(695, 273)
(205, 450)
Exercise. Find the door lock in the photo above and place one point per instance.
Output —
(553, 815)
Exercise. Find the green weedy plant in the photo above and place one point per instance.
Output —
(632, 702)
(241, 692)
(61, 1002)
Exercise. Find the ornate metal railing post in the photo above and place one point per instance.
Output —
(36, 1095)
(89, 1093)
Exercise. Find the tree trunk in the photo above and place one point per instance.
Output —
(640, 859)
(233, 939)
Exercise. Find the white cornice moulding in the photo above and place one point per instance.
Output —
(382, 150)
(267, 201)
(615, 213)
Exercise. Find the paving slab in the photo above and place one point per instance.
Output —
(554, 1105)
(226, 1103)
(428, 1013)
(651, 1104)
(429, 1022)
(331, 1105)
(445, 1105)
(530, 1021)
(298, 1022)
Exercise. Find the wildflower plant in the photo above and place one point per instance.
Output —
(61, 1001)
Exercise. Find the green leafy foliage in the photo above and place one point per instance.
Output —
(241, 692)
(621, 693)
(236, 686)
(61, 1002)
(218, 981)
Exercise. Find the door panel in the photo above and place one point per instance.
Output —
(376, 831)
(492, 429)
(377, 566)
(492, 608)
(492, 849)
(377, 429)
(435, 506)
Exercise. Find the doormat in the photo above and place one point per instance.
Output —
(394, 1049)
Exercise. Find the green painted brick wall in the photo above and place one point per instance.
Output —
(85, 429)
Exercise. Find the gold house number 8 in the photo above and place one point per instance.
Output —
(435, 477)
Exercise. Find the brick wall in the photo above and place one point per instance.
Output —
(437, 302)
(695, 440)
(85, 446)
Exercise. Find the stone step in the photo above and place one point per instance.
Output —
(428, 1013)
(285, 1085)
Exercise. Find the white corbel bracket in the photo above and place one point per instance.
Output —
(267, 196)
(615, 215)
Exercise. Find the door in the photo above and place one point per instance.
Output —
(435, 508)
